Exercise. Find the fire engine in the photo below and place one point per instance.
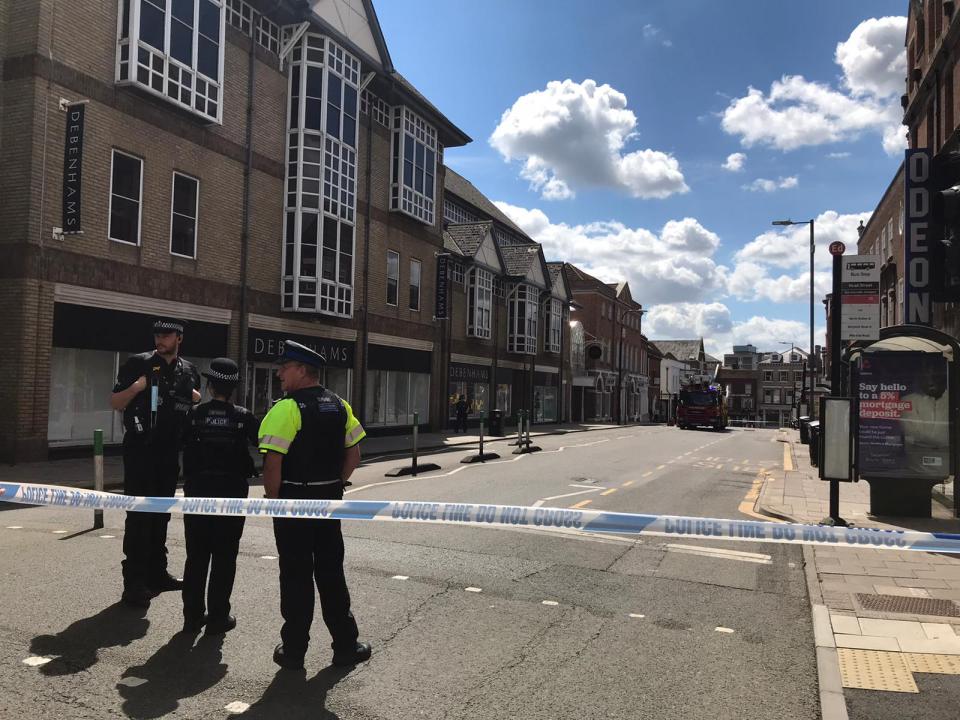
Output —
(701, 404)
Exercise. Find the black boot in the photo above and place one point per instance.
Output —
(351, 656)
(286, 661)
(165, 583)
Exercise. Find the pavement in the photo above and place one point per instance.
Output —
(78, 471)
(886, 623)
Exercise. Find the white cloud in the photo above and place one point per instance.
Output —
(572, 135)
(873, 57)
(672, 265)
(651, 32)
(789, 247)
(764, 185)
(712, 322)
(838, 155)
(734, 162)
(798, 112)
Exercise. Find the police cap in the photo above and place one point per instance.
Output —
(295, 352)
(223, 370)
(164, 325)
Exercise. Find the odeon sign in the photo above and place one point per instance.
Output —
(916, 246)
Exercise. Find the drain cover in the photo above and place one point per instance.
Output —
(908, 605)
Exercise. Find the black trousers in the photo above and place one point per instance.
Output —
(212, 543)
(150, 472)
(461, 423)
(311, 551)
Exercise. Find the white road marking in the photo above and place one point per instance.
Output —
(592, 487)
(636, 615)
(474, 589)
(107, 537)
(14, 527)
(36, 660)
(720, 553)
(660, 467)
(549, 602)
(723, 629)
(268, 557)
(59, 532)
(400, 577)
(178, 493)
(132, 681)
(540, 502)
(237, 707)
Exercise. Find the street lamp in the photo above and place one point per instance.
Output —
(639, 311)
(811, 360)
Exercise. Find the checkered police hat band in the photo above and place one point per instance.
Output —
(166, 326)
(226, 377)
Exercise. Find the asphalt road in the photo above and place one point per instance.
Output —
(465, 621)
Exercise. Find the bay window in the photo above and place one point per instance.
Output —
(554, 318)
(413, 165)
(173, 49)
(523, 309)
(479, 303)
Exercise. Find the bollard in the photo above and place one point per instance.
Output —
(483, 416)
(528, 432)
(98, 474)
(520, 428)
(416, 424)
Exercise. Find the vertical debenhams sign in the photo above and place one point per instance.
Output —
(916, 246)
(73, 168)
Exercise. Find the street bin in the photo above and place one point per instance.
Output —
(496, 423)
(804, 421)
(814, 442)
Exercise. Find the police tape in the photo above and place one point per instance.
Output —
(480, 515)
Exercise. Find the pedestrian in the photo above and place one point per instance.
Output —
(310, 440)
(155, 391)
(461, 409)
(216, 463)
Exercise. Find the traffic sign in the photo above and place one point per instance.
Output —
(837, 248)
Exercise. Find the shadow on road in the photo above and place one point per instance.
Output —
(178, 670)
(291, 696)
(77, 646)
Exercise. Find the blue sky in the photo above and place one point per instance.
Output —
(625, 174)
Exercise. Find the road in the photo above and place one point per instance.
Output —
(465, 622)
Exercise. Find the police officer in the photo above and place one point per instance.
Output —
(155, 391)
(216, 463)
(310, 439)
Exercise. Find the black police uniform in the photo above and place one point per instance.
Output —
(312, 551)
(151, 463)
(216, 463)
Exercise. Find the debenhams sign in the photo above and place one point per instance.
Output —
(266, 346)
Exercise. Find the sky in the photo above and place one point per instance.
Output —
(654, 141)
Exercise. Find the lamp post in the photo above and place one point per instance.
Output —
(811, 360)
(623, 315)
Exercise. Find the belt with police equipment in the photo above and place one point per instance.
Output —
(312, 484)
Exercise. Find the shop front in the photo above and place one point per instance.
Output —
(398, 385)
(471, 382)
(263, 348)
(546, 396)
(89, 345)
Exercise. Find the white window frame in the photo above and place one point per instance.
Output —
(457, 214)
(396, 279)
(479, 303)
(554, 328)
(522, 319)
(113, 154)
(196, 212)
(409, 127)
(160, 65)
(419, 266)
(456, 273)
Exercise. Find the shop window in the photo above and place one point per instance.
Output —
(415, 268)
(479, 303)
(393, 277)
(476, 395)
(174, 51)
(504, 397)
(394, 396)
(183, 215)
(126, 190)
(413, 166)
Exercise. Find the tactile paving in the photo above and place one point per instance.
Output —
(908, 605)
(875, 670)
(930, 663)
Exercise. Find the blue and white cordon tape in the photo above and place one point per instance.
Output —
(476, 515)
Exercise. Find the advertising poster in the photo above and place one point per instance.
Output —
(904, 415)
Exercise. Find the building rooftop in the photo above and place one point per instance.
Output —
(455, 184)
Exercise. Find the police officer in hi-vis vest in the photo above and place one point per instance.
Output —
(155, 391)
(216, 463)
(310, 440)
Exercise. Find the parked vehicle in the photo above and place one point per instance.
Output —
(702, 405)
